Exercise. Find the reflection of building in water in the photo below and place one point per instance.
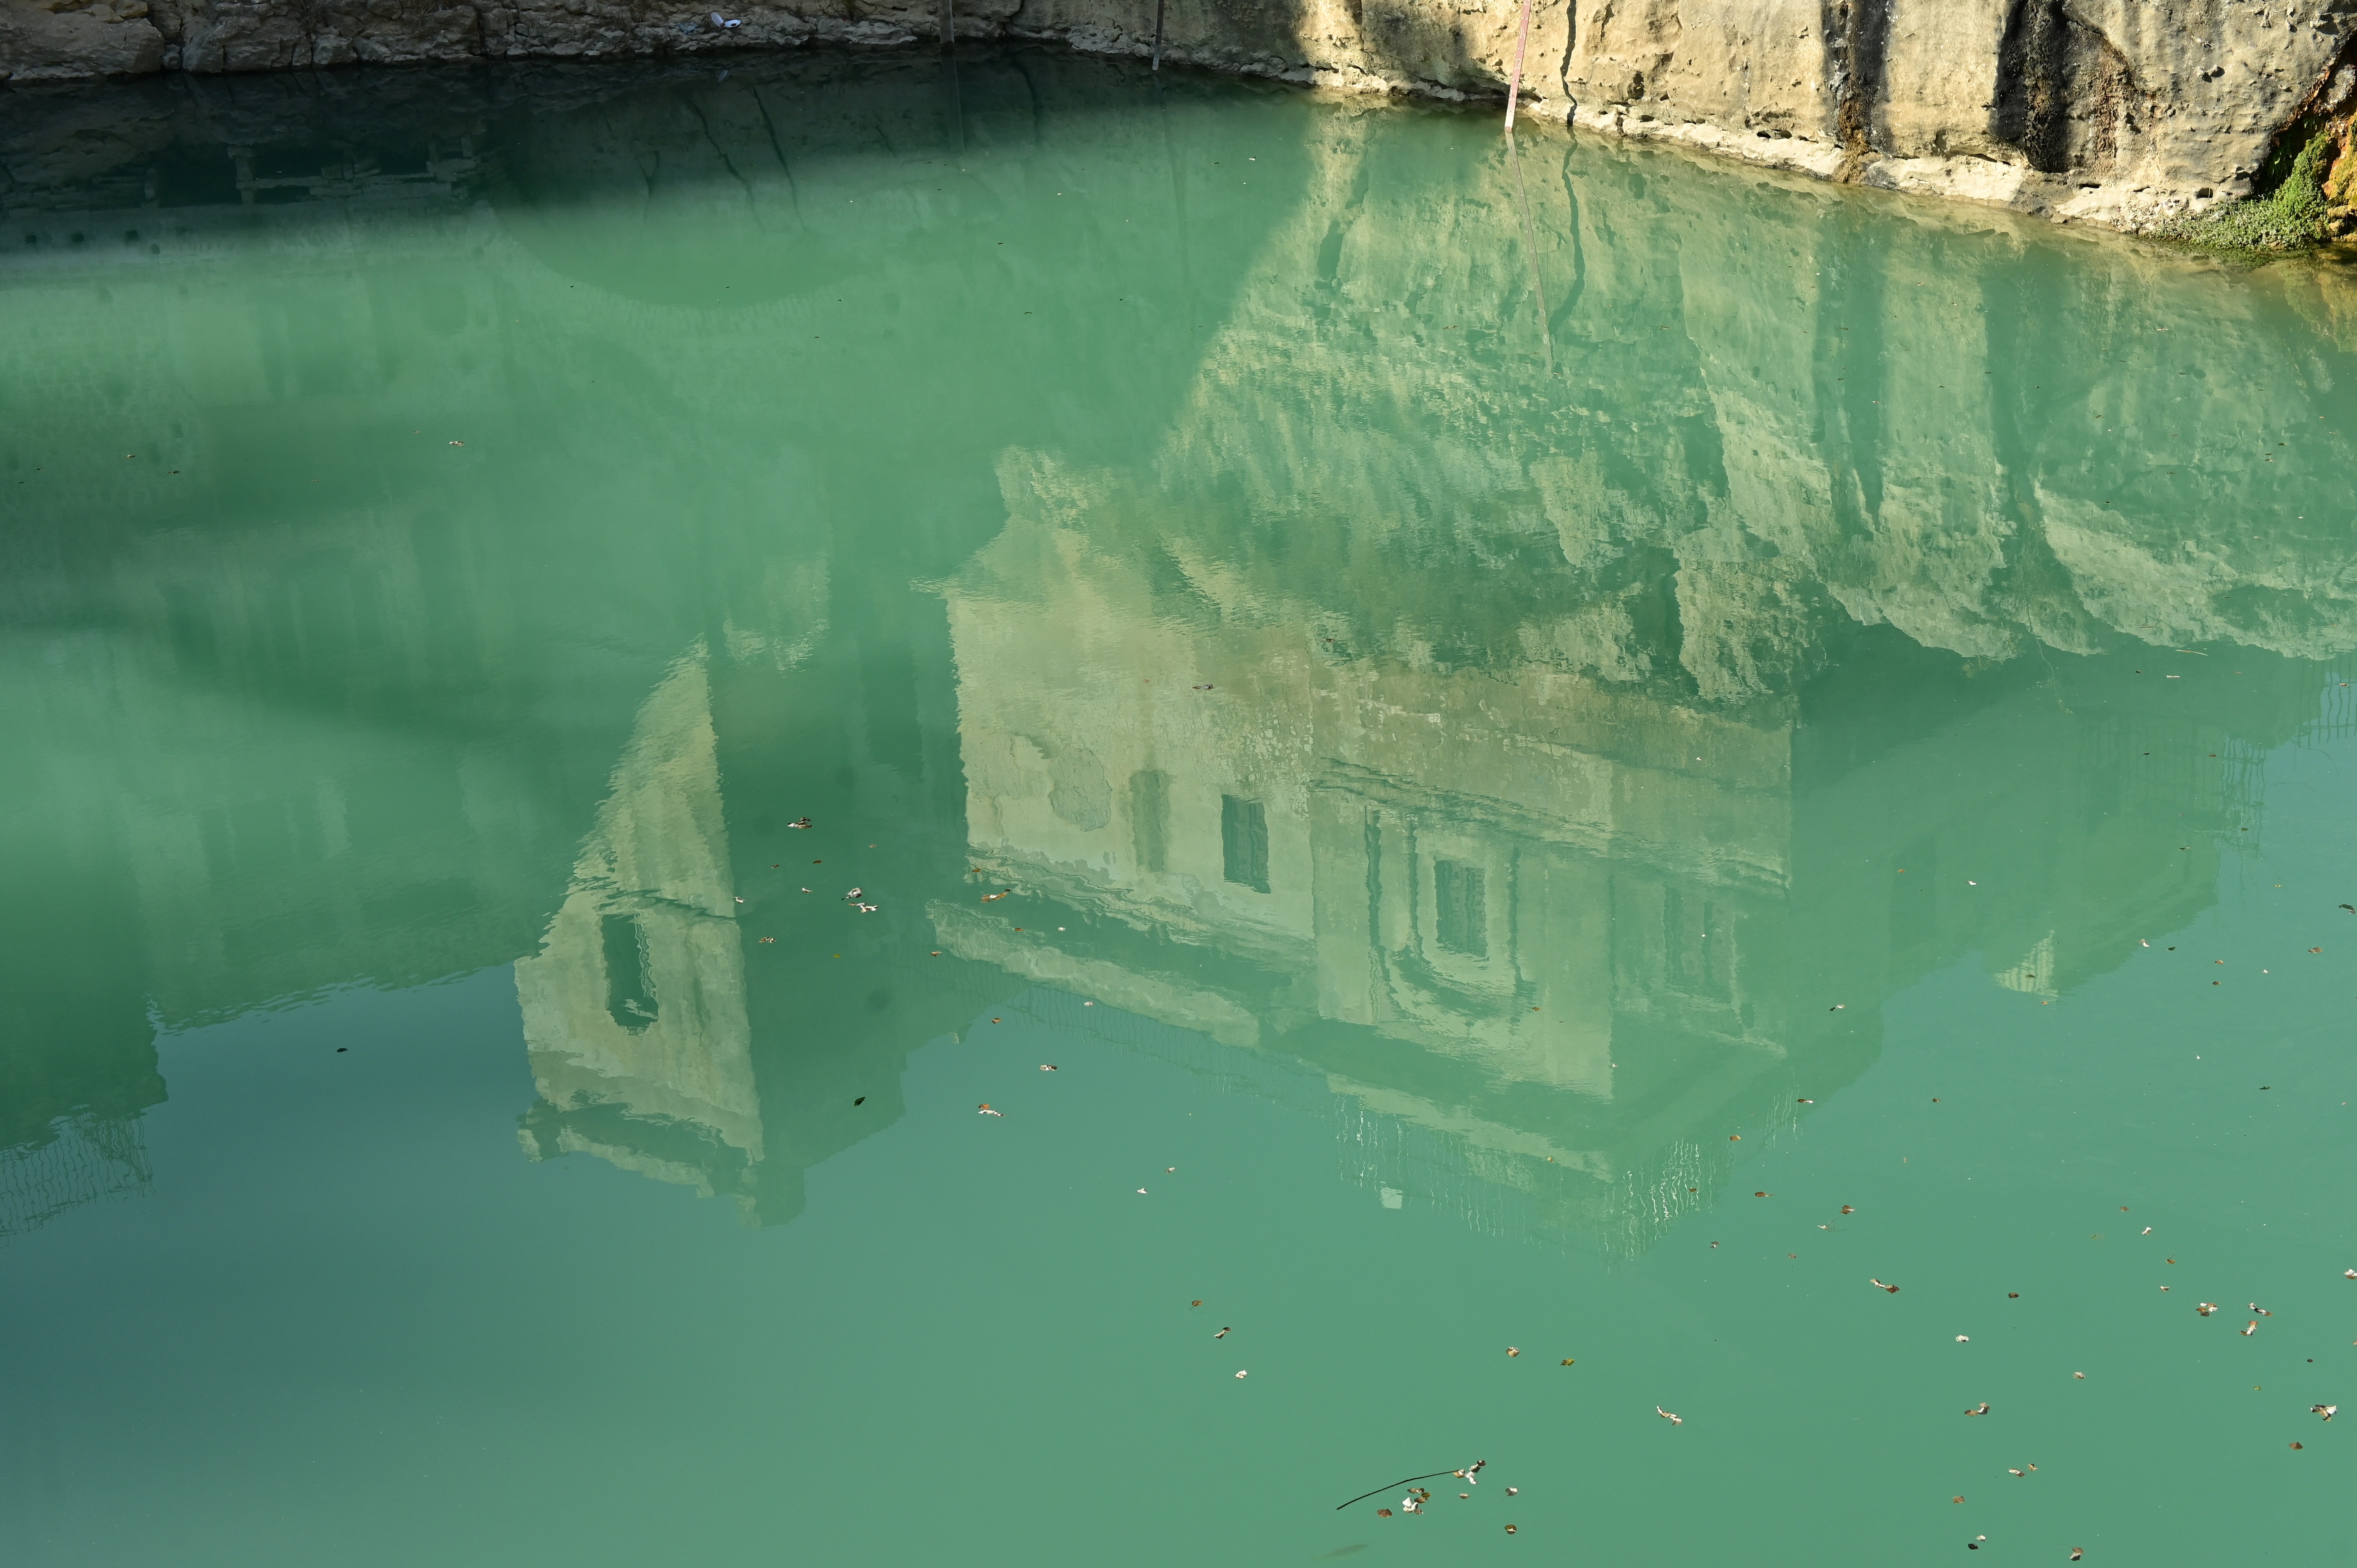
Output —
(1596, 700)
(634, 1008)
(1580, 932)
(1569, 754)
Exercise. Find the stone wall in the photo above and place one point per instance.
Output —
(2128, 112)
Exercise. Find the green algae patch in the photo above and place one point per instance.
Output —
(2291, 216)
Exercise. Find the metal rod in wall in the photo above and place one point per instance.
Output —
(1522, 48)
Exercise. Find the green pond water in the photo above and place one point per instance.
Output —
(1576, 758)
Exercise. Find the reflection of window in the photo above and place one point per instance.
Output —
(1244, 842)
(1696, 938)
(629, 996)
(1461, 916)
(1149, 818)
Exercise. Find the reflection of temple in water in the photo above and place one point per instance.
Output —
(1553, 933)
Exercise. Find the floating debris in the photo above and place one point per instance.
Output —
(1470, 1473)
(1665, 1415)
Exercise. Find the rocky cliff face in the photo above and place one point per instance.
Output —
(2130, 113)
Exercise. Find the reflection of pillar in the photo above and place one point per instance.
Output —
(634, 1009)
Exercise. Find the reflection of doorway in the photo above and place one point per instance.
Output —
(630, 999)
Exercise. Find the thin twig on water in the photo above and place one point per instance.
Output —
(1379, 1491)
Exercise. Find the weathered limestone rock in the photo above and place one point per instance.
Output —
(54, 40)
(2128, 112)
(2115, 112)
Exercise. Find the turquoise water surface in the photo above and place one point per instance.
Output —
(1521, 775)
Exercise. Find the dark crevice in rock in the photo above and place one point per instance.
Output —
(1857, 49)
(2064, 92)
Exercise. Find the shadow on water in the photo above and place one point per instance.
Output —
(1553, 735)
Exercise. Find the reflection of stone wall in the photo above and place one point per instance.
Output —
(1761, 427)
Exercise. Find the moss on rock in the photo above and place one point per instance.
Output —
(2291, 216)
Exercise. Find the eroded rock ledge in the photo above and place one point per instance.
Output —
(2127, 113)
